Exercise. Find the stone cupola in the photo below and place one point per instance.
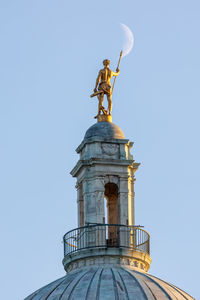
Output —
(105, 173)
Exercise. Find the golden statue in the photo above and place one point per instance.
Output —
(103, 85)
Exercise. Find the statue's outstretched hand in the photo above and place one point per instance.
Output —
(95, 90)
(117, 70)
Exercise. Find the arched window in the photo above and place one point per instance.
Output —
(111, 213)
(111, 195)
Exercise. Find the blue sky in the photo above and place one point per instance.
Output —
(50, 54)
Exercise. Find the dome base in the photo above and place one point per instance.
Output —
(110, 256)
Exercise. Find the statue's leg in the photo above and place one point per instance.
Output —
(109, 97)
(100, 97)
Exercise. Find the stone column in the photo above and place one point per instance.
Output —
(123, 200)
(80, 204)
(93, 193)
(131, 202)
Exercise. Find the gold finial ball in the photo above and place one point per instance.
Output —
(104, 118)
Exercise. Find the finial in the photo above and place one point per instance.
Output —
(103, 87)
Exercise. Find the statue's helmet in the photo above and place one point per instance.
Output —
(106, 62)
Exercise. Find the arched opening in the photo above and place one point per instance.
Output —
(111, 213)
(111, 195)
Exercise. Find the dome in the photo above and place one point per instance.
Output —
(104, 130)
(107, 283)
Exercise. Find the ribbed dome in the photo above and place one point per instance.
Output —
(107, 283)
(105, 130)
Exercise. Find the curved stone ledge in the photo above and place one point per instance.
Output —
(101, 256)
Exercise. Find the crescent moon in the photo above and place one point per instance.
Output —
(129, 39)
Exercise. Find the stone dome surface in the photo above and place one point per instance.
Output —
(104, 130)
(108, 283)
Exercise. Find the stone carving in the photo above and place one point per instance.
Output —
(110, 149)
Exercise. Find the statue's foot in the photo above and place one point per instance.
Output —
(96, 116)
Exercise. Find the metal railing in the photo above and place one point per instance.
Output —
(105, 236)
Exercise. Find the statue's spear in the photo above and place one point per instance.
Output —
(116, 69)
